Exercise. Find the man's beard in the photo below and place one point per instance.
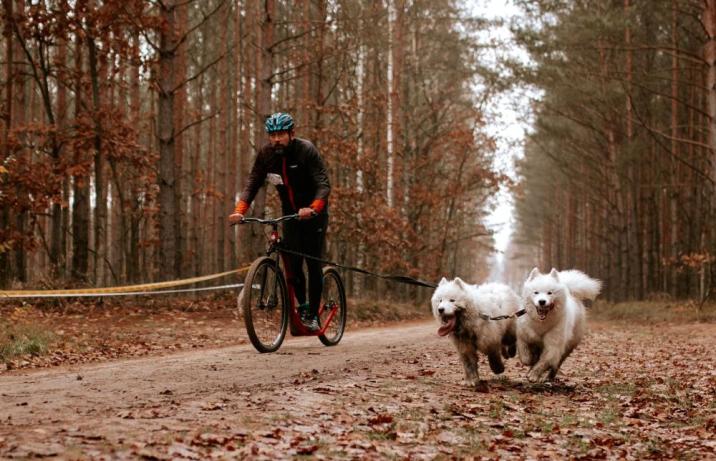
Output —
(279, 149)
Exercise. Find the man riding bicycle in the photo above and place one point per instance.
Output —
(296, 168)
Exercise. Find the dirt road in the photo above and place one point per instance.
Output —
(389, 392)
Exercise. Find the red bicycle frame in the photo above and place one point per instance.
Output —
(297, 327)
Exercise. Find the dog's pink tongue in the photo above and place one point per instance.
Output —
(447, 328)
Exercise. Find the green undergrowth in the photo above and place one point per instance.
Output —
(677, 311)
(23, 340)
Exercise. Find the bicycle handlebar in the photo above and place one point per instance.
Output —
(269, 221)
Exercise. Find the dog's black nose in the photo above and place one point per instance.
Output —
(441, 310)
(542, 302)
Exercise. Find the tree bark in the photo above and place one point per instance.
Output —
(390, 117)
(100, 216)
(709, 22)
(709, 50)
(60, 212)
(8, 9)
(169, 256)
(264, 71)
(178, 119)
(80, 186)
(133, 262)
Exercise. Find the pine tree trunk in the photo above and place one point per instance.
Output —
(100, 216)
(59, 222)
(169, 264)
(264, 69)
(709, 22)
(633, 199)
(305, 88)
(199, 201)
(180, 187)
(226, 119)
(211, 178)
(675, 169)
(8, 10)
(133, 268)
(390, 135)
(80, 188)
(19, 117)
(247, 64)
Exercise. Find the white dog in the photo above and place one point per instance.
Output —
(460, 308)
(555, 319)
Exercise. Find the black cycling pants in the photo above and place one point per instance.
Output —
(308, 237)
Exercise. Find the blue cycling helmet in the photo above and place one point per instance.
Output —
(280, 121)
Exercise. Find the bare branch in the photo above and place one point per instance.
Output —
(198, 73)
(196, 122)
(195, 27)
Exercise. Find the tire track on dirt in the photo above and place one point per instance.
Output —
(186, 379)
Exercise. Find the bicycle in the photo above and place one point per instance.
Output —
(268, 302)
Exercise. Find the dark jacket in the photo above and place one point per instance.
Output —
(303, 176)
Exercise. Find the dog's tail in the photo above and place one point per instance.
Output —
(580, 284)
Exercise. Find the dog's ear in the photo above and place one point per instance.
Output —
(533, 274)
(459, 282)
(554, 273)
(443, 281)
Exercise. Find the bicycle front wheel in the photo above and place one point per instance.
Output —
(264, 303)
(333, 302)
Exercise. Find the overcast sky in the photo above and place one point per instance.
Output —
(506, 117)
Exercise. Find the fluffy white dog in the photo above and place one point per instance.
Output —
(461, 307)
(555, 319)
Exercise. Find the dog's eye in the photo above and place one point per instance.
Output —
(549, 293)
(452, 300)
(536, 292)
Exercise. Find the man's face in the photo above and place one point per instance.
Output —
(280, 138)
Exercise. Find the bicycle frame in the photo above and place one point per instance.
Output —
(297, 327)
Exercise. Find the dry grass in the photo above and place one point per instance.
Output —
(368, 310)
(22, 340)
(654, 311)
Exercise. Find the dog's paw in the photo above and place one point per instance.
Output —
(470, 383)
(533, 376)
(546, 376)
(481, 386)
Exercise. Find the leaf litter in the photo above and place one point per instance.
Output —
(628, 391)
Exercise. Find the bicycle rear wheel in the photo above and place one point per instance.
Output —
(264, 303)
(333, 299)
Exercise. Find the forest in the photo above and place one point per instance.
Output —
(129, 126)
(618, 171)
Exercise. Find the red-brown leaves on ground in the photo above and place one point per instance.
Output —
(628, 391)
